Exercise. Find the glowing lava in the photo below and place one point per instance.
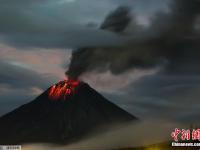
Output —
(63, 89)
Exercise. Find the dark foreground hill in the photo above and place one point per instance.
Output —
(61, 119)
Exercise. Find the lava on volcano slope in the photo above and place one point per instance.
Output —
(63, 89)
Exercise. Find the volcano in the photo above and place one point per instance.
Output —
(65, 112)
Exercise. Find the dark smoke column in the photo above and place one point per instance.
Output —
(78, 63)
(82, 59)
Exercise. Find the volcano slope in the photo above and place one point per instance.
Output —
(64, 113)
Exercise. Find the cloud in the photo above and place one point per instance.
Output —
(49, 23)
(173, 46)
(16, 76)
(12, 97)
(161, 96)
(59, 24)
(109, 83)
(40, 60)
(117, 137)
(19, 85)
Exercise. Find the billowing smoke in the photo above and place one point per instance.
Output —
(84, 59)
(117, 60)
(172, 39)
(117, 20)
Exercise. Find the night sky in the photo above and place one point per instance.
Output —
(37, 38)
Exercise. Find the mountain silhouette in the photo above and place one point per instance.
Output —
(60, 120)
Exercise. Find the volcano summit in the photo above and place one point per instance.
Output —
(63, 113)
(63, 89)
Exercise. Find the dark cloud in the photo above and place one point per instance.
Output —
(176, 46)
(117, 20)
(33, 28)
(49, 24)
(61, 23)
(19, 85)
(66, 39)
(169, 97)
(11, 98)
(20, 77)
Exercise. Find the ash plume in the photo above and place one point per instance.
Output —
(117, 20)
(171, 39)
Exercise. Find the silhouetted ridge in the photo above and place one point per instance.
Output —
(60, 121)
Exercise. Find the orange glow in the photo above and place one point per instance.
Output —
(63, 89)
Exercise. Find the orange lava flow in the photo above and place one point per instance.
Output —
(63, 89)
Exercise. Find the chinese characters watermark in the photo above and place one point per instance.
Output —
(185, 135)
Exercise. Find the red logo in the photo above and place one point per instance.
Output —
(185, 134)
